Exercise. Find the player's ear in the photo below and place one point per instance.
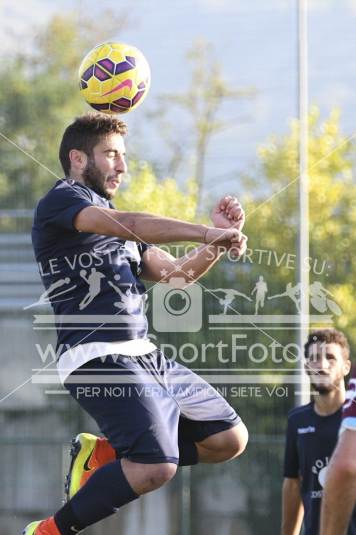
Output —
(347, 366)
(78, 159)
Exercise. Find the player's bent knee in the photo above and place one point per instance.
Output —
(223, 446)
(235, 442)
(238, 440)
(159, 474)
(147, 477)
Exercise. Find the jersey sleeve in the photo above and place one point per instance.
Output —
(349, 408)
(143, 247)
(61, 205)
(291, 460)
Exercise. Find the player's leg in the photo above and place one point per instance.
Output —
(111, 487)
(207, 440)
(207, 420)
(210, 441)
(224, 445)
(143, 431)
(145, 478)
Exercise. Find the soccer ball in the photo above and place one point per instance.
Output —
(114, 78)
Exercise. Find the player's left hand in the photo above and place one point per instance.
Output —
(238, 247)
(228, 213)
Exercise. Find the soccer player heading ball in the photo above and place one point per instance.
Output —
(102, 330)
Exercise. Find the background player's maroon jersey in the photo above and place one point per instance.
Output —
(349, 409)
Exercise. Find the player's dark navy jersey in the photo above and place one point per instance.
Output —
(311, 440)
(91, 280)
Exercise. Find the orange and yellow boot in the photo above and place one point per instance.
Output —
(88, 453)
(42, 527)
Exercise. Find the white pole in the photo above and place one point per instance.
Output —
(302, 395)
(186, 503)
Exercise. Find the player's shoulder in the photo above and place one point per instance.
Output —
(64, 190)
(300, 413)
(67, 187)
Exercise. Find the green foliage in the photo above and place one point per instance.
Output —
(38, 100)
(146, 193)
(272, 220)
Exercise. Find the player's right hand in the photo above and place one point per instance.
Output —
(228, 213)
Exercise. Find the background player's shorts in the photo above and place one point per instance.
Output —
(141, 404)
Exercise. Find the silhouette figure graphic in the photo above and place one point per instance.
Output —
(129, 301)
(48, 297)
(261, 290)
(320, 301)
(229, 297)
(94, 282)
(293, 292)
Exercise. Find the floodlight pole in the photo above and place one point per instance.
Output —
(186, 501)
(302, 395)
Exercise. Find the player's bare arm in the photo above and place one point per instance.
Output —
(339, 496)
(160, 266)
(144, 227)
(292, 507)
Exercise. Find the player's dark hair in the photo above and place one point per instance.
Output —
(86, 132)
(328, 336)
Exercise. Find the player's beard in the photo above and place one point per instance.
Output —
(95, 179)
(323, 390)
(326, 387)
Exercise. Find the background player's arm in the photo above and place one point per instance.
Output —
(292, 507)
(339, 496)
(139, 226)
(160, 266)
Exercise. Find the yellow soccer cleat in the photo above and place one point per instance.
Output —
(88, 453)
(31, 528)
(42, 527)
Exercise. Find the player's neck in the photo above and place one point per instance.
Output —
(329, 403)
(76, 176)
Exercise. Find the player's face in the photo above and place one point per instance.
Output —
(104, 170)
(326, 367)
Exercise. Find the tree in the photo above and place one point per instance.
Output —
(38, 100)
(272, 223)
(146, 193)
(201, 103)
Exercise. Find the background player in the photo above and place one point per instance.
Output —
(339, 496)
(312, 433)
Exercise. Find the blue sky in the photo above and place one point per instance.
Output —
(256, 44)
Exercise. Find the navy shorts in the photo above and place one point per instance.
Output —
(141, 405)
